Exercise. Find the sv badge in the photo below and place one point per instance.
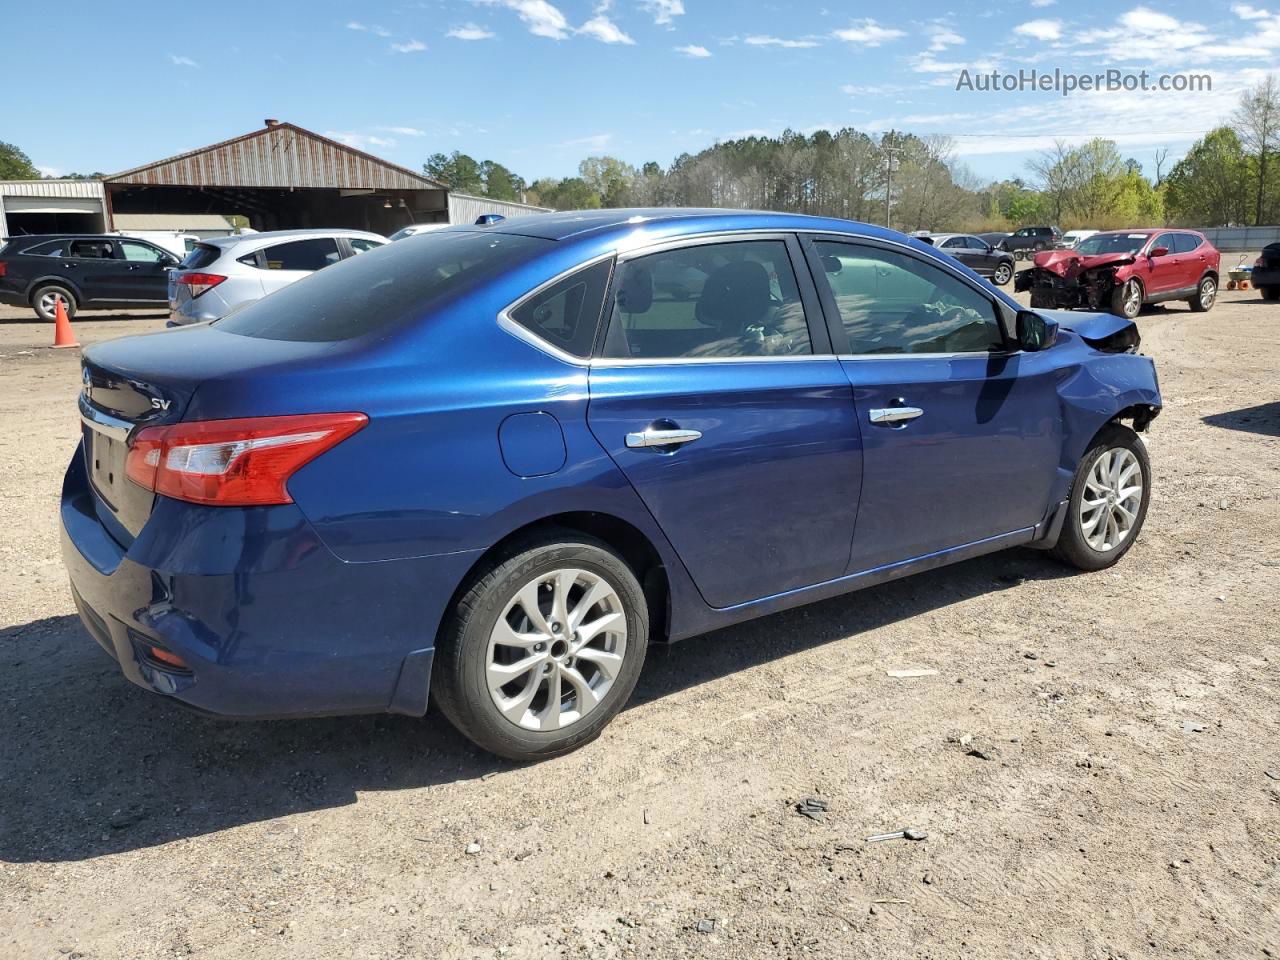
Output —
(158, 404)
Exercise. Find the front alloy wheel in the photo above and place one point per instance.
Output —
(543, 649)
(1206, 296)
(1108, 501)
(1003, 274)
(1126, 299)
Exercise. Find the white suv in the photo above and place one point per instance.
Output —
(224, 273)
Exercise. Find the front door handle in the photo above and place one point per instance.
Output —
(894, 414)
(662, 438)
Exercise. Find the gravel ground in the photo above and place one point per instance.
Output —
(1095, 762)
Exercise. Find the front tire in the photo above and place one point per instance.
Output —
(544, 648)
(1126, 299)
(1206, 295)
(1003, 274)
(1108, 502)
(44, 301)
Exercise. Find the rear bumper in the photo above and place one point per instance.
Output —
(269, 621)
(13, 298)
(1265, 278)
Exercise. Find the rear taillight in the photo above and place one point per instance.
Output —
(4, 268)
(200, 282)
(1260, 262)
(234, 463)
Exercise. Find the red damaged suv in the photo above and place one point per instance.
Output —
(1120, 270)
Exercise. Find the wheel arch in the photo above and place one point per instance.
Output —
(628, 540)
(53, 280)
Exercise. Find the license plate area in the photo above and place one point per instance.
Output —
(105, 456)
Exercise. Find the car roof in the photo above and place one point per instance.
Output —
(672, 221)
(272, 236)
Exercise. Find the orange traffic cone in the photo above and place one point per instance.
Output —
(62, 333)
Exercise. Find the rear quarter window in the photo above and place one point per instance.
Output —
(384, 288)
(567, 313)
(50, 248)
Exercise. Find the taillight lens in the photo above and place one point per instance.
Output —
(200, 282)
(4, 268)
(234, 463)
(1260, 262)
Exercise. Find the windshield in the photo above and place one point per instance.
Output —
(1112, 243)
(383, 287)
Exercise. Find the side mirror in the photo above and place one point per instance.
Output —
(1035, 332)
(1159, 252)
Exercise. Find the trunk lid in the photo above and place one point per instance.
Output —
(150, 380)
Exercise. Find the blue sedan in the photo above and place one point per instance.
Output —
(485, 467)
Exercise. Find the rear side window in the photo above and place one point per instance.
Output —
(91, 250)
(201, 255)
(315, 253)
(567, 313)
(712, 300)
(366, 295)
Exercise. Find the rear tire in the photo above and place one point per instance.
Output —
(1270, 293)
(1206, 295)
(45, 297)
(1104, 513)
(1002, 274)
(1126, 299)
(579, 665)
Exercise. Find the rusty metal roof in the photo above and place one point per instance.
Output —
(281, 155)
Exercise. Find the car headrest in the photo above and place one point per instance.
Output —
(635, 295)
(735, 296)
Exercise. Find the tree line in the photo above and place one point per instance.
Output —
(1230, 177)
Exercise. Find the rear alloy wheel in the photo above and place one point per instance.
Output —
(1206, 296)
(45, 301)
(1003, 274)
(544, 650)
(1108, 502)
(1126, 299)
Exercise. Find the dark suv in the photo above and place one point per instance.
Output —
(84, 271)
(1025, 243)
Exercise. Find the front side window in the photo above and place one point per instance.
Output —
(1185, 243)
(567, 313)
(713, 300)
(1165, 240)
(312, 254)
(360, 245)
(892, 303)
(141, 252)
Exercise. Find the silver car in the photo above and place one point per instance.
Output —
(224, 273)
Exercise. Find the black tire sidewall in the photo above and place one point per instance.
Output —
(1072, 546)
(45, 288)
(459, 678)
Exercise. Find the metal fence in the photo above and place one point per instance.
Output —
(1241, 239)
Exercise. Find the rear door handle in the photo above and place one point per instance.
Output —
(894, 414)
(662, 438)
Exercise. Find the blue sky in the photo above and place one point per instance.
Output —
(539, 84)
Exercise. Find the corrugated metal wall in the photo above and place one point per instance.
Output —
(1241, 239)
(278, 156)
(465, 209)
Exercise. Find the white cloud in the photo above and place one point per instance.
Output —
(470, 31)
(664, 10)
(542, 19)
(410, 46)
(179, 61)
(867, 33)
(47, 171)
(1043, 3)
(941, 36)
(693, 50)
(360, 141)
(1040, 29)
(595, 142)
(404, 131)
(375, 30)
(760, 41)
(1246, 12)
(604, 30)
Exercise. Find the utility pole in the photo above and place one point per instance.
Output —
(889, 154)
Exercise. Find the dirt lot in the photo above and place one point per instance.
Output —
(1118, 798)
